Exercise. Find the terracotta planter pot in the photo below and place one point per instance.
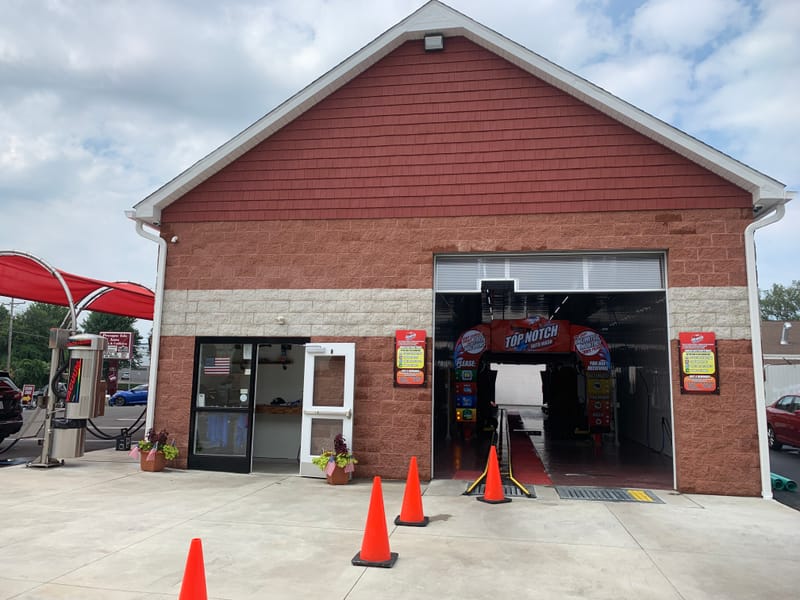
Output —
(157, 464)
(338, 477)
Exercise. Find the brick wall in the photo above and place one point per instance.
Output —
(706, 247)
(716, 439)
(174, 391)
(333, 279)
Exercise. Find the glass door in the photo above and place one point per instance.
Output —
(328, 386)
(221, 432)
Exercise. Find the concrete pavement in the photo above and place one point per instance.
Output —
(98, 528)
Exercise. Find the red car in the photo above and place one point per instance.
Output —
(783, 422)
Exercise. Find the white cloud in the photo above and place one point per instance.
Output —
(657, 83)
(104, 102)
(685, 25)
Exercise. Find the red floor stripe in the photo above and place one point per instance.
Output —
(526, 466)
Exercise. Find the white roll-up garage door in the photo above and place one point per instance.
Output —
(595, 272)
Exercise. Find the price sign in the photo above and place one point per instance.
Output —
(409, 357)
(699, 365)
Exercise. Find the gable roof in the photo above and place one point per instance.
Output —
(437, 18)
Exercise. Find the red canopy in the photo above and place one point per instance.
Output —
(26, 277)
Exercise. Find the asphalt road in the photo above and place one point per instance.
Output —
(115, 419)
(786, 462)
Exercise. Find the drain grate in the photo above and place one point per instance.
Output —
(607, 494)
(509, 490)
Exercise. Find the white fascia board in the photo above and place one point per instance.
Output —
(435, 17)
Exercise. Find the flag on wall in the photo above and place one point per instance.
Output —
(217, 366)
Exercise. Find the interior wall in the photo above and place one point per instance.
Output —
(519, 385)
(277, 435)
(644, 413)
(273, 381)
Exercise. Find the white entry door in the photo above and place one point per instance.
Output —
(328, 385)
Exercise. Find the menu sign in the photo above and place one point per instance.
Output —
(699, 365)
(409, 357)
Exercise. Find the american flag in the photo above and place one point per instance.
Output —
(217, 366)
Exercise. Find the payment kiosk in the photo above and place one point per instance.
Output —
(81, 356)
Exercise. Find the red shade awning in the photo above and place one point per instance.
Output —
(28, 278)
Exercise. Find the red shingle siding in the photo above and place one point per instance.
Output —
(459, 132)
(705, 247)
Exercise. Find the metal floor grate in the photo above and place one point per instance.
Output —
(607, 494)
(509, 490)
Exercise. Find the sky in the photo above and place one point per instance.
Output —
(104, 101)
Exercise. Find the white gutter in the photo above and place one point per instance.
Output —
(157, 310)
(774, 215)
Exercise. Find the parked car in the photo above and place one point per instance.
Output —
(783, 422)
(61, 395)
(135, 395)
(10, 406)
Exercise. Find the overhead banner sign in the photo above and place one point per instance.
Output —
(409, 357)
(534, 335)
(118, 345)
(699, 365)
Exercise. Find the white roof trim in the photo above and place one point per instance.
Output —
(435, 17)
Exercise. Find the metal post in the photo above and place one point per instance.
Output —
(57, 342)
(10, 329)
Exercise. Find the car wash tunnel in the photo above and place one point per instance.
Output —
(577, 383)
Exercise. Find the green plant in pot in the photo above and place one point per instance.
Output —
(338, 464)
(155, 449)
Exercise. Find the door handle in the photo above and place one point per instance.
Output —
(329, 412)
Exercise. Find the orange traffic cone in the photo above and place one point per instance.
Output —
(493, 492)
(411, 512)
(194, 577)
(375, 545)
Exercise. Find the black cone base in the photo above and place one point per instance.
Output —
(386, 564)
(425, 521)
(503, 501)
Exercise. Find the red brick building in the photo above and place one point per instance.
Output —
(437, 178)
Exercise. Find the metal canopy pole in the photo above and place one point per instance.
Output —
(58, 341)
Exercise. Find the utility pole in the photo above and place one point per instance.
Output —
(10, 329)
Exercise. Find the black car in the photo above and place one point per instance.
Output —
(10, 407)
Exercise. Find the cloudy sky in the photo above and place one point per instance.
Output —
(104, 101)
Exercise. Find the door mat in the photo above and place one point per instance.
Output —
(607, 494)
(509, 490)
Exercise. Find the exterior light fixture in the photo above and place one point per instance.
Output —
(434, 42)
(785, 334)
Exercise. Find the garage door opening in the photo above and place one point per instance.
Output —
(544, 393)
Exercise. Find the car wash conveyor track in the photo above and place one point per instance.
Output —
(501, 438)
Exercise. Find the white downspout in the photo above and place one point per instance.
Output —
(773, 216)
(157, 310)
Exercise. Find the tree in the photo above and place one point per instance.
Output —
(781, 303)
(30, 350)
(97, 322)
